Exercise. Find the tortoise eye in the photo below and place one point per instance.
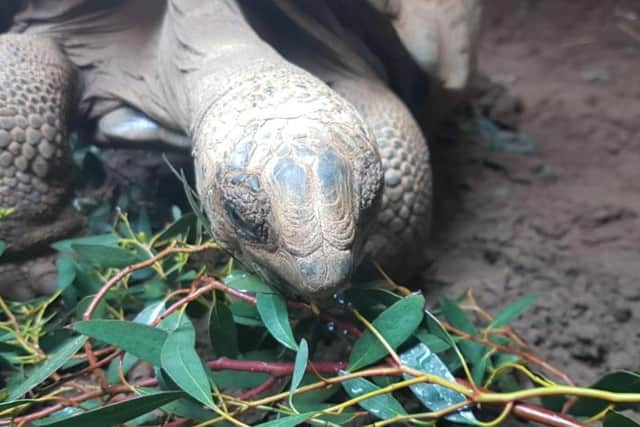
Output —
(247, 208)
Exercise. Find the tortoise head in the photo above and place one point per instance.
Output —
(290, 182)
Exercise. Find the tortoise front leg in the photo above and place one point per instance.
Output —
(36, 102)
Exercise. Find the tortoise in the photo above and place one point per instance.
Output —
(306, 161)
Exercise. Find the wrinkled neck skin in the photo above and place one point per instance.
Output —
(287, 172)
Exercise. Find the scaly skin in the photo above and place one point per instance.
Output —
(289, 177)
(36, 96)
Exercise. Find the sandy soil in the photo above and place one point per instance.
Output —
(563, 222)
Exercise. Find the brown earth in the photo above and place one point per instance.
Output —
(563, 222)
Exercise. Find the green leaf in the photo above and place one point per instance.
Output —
(616, 419)
(316, 396)
(513, 310)
(11, 348)
(184, 407)
(384, 406)
(434, 342)
(117, 413)
(140, 340)
(472, 351)
(180, 227)
(434, 396)
(66, 269)
(192, 197)
(245, 314)
(183, 365)
(290, 421)
(145, 317)
(4, 406)
(619, 382)
(222, 330)
(341, 419)
(40, 373)
(105, 256)
(299, 368)
(100, 239)
(3, 246)
(274, 315)
(395, 324)
(246, 282)
(457, 317)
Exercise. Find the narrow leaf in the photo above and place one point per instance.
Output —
(100, 239)
(180, 227)
(4, 406)
(290, 421)
(246, 282)
(140, 340)
(299, 368)
(61, 355)
(222, 330)
(451, 311)
(457, 317)
(434, 396)
(341, 419)
(434, 342)
(513, 310)
(105, 256)
(616, 419)
(274, 315)
(619, 382)
(66, 270)
(183, 365)
(395, 324)
(3, 246)
(117, 413)
(384, 406)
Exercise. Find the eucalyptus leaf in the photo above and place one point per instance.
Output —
(109, 239)
(66, 270)
(178, 228)
(274, 314)
(117, 413)
(434, 396)
(472, 351)
(246, 282)
(395, 324)
(343, 418)
(616, 419)
(315, 396)
(619, 382)
(513, 310)
(299, 368)
(383, 406)
(223, 333)
(245, 314)
(145, 317)
(183, 365)
(434, 342)
(41, 372)
(105, 256)
(140, 340)
(290, 421)
(4, 406)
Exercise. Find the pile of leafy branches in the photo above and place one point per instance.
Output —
(133, 301)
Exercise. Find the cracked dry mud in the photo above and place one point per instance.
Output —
(564, 222)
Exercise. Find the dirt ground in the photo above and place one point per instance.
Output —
(563, 222)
